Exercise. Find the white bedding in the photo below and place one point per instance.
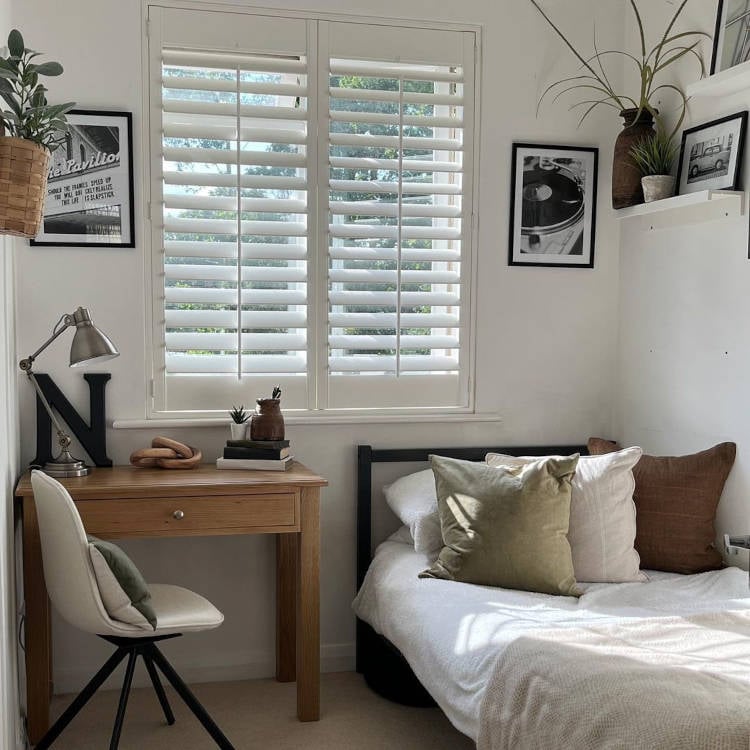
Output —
(445, 628)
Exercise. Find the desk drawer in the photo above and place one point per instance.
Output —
(224, 514)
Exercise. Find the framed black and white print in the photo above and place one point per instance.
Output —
(89, 199)
(711, 155)
(732, 35)
(553, 206)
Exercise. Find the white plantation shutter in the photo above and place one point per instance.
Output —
(234, 192)
(397, 239)
(271, 153)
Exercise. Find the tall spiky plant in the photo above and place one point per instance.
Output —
(651, 62)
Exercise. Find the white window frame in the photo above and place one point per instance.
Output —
(318, 221)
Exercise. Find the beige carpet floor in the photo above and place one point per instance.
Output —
(261, 714)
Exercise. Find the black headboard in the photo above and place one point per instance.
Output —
(367, 455)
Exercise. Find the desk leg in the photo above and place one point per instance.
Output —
(308, 608)
(37, 628)
(286, 607)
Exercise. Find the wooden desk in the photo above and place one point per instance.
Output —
(123, 501)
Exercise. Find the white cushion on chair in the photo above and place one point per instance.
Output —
(180, 610)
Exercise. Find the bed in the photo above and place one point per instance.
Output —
(514, 669)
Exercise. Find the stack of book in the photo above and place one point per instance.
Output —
(264, 455)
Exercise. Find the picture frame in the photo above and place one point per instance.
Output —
(89, 200)
(553, 195)
(731, 45)
(711, 155)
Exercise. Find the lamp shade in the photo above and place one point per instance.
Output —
(89, 343)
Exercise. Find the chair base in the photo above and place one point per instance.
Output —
(152, 657)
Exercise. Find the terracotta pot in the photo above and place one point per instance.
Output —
(267, 422)
(626, 177)
(658, 186)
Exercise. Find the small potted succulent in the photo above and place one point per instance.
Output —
(655, 155)
(238, 425)
(30, 129)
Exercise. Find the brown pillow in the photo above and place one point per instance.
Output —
(676, 499)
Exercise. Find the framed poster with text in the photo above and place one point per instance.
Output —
(89, 199)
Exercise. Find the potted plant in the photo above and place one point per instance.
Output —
(638, 111)
(268, 421)
(238, 425)
(33, 129)
(655, 156)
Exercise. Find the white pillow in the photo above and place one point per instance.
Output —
(602, 515)
(414, 500)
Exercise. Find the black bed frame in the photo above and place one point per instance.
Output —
(383, 666)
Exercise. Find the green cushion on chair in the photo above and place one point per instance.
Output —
(123, 589)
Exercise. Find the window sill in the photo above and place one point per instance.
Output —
(309, 419)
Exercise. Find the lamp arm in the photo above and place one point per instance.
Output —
(26, 364)
(63, 437)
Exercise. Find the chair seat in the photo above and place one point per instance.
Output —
(179, 610)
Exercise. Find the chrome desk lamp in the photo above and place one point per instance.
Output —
(89, 345)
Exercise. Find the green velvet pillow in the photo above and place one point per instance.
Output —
(505, 526)
(124, 591)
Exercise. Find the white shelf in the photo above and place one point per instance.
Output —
(728, 82)
(692, 208)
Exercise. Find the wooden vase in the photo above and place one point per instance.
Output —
(626, 176)
(267, 422)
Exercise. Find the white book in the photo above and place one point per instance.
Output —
(259, 464)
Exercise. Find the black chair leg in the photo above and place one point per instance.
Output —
(124, 695)
(81, 699)
(190, 700)
(158, 689)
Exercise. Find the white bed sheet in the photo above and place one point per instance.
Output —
(459, 630)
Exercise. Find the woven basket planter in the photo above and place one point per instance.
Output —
(23, 186)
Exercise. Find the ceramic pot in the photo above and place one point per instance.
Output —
(626, 177)
(238, 430)
(267, 422)
(657, 187)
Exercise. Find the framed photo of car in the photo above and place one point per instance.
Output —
(553, 206)
(711, 155)
(732, 35)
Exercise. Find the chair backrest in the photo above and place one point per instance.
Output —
(68, 571)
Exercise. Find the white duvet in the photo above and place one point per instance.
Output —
(453, 634)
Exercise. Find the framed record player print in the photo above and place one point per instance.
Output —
(553, 206)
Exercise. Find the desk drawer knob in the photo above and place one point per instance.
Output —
(178, 515)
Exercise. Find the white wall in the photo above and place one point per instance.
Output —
(545, 344)
(685, 349)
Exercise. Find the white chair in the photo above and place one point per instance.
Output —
(74, 592)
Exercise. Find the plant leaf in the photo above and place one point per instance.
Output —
(572, 48)
(50, 69)
(640, 27)
(15, 43)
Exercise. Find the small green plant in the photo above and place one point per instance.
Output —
(239, 415)
(655, 154)
(598, 88)
(276, 392)
(29, 115)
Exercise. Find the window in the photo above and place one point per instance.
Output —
(311, 214)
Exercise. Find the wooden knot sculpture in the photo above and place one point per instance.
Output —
(166, 453)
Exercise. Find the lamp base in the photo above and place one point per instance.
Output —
(65, 466)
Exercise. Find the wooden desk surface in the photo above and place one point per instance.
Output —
(130, 481)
